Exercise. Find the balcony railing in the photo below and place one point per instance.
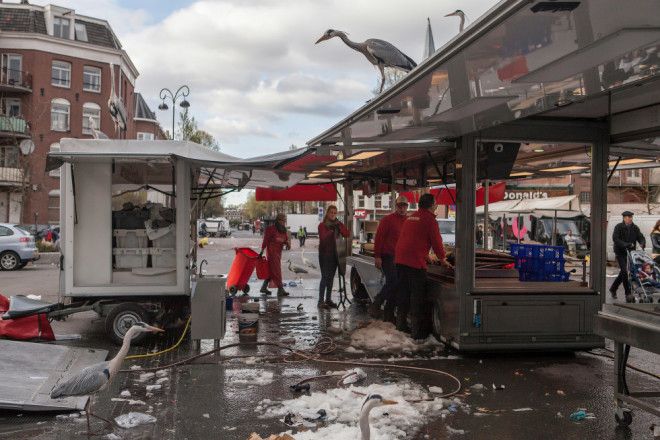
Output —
(12, 79)
(11, 176)
(15, 126)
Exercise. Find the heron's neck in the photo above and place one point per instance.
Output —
(116, 361)
(462, 25)
(349, 43)
(365, 430)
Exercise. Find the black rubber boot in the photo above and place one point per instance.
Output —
(264, 288)
(282, 292)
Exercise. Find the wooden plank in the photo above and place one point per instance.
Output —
(29, 372)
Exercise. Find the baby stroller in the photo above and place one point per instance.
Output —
(644, 277)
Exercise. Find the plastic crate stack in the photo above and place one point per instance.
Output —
(537, 262)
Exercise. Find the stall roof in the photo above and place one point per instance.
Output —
(523, 59)
(222, 169)
(529, 205)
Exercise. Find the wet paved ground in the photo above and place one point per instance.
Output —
(216, 397)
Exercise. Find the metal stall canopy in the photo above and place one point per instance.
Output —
(530, 89)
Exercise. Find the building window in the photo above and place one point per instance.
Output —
(143, 136)
(81, 32)
(59, 114)
(54, 147)
(61, 27)
(91, 79)
(91, 117)
(9, 157)
(54, 206)
(378, 202)
(61, 74)
(360, 201)
(585, 197)
(12, 65)
(11, 107)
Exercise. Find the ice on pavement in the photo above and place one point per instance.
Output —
(146, 376)
(133, 419)
(343, 407)
(354, 375)
(383, 336)
(248, 376)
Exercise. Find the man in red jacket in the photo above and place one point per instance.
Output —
(420, 233)
(387, 235)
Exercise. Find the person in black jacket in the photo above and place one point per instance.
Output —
(625, 237)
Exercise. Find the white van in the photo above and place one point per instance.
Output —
(645, 224)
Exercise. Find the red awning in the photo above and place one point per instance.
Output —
(298, 193)
(447, 196)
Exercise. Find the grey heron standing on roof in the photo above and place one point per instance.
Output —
(461, 14)
(372, 401)
(90, 380)
(380, 53)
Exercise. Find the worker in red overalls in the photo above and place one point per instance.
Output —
(276, 237)
(420, 233)
(387, 235)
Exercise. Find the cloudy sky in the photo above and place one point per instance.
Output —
(258, 82)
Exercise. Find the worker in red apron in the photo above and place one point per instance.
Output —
(276, 237)
(387, 235)
(419, 234)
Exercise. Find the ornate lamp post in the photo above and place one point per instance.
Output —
(181, 92)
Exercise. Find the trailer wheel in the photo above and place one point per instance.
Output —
(358, 290)
(121, 318)
(437, 319)
(625, 419)
(246, 289)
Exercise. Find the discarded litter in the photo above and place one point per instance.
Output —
(293, 284)
(206, 415)
(498, 387)
(581, 414)
(561, 393)
(133, 419)
(436, 390)
(154, 387)
(162, 379)
(522, 409)
(451, 430)
(477, 387)
(125, 393)
(299, 388)
(300, 307)
(353, 376)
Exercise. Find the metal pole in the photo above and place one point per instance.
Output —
(554, 229)
(486, 219)
(181, 92)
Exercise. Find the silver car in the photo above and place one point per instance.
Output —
(17, 247)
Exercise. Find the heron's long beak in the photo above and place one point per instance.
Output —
(153, 329)
(323, 38)
(453, 14)
(389, 402)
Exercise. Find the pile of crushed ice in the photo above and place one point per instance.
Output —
(342, 408)
(248, 376)
(383, 336)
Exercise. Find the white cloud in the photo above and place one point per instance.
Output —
(252, 66)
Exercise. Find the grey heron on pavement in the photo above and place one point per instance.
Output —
(380, 53)
(296, 269)
(372, 401)
(461, 14)
(306, 261)
(90, 380)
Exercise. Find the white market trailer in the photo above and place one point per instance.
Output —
(127, 213)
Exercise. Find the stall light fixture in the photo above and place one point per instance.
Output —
(365, 155)
(538, 150)
(521, 174)
(320, 171)
(342, 163)
(630, 161)
(313, 175)
(566, 168)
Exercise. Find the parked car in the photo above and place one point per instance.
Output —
(17, 247)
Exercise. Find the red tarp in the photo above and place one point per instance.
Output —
(447, 196)
(298, 193)
(513, 70)
(24, 329)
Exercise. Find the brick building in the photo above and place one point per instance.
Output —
(55, 76)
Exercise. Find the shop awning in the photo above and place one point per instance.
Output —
(549, 205)
(298, 193)
(447, 196)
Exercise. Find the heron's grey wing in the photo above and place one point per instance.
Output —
(389, 55)
(87, 381)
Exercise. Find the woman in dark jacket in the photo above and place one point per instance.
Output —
(655, 241)
(330, 229)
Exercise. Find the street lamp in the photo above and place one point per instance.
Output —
(181, 92)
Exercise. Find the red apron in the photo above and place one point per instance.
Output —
(274, 242)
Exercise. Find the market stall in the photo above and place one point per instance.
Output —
(526, 92)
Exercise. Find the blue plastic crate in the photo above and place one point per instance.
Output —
(553, 266)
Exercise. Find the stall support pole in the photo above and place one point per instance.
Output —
(486, 234)
(599, 165)
(554, 229)
(466, 162)
(348, 194)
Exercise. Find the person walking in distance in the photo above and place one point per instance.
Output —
(301, 235)
(419, 234)
(330, 229)
(276, 238)
(626, 235)
(387, 235)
